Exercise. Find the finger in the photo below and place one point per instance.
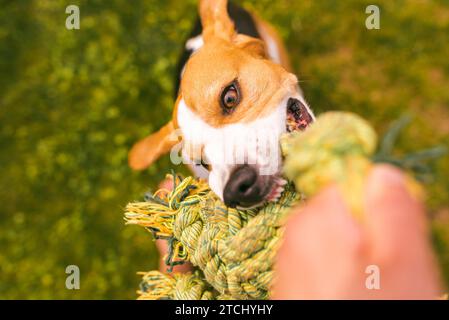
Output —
(321, 241)
(398, 237)
(162, 247)
(166, 184)
(394, 217)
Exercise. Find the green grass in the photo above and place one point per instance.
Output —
(73, 102)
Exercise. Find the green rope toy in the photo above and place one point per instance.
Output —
(233, 250)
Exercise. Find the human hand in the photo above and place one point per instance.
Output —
(326, 252)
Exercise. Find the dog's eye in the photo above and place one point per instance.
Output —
(230, 98)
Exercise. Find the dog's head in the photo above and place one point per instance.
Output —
(233, 105)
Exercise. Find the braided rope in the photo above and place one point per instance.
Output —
(335, 149)
(159, 286)
(233, 248)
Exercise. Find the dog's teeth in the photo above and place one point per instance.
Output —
(274, 196)
(282, 182)
(276, 193)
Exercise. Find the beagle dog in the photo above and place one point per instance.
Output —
(235, 97)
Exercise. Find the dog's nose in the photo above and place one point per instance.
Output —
(242, 188)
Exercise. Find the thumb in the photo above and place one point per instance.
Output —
(394, 217)
(398, 239)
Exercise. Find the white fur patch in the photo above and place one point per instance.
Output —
(273, 50)
(195, 43)
(255, 143)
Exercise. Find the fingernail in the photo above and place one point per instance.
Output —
(383, 179)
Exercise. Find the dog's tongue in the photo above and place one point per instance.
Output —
(298, 118)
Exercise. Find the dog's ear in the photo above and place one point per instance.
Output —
(149, 149)
(215, 20)
(252, 45)
(217, 23)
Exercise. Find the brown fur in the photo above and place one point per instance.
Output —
(226, 56)
(262, 82)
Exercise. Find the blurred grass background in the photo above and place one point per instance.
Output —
(73, 102)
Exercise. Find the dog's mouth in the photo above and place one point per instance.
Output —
(298, 119)
(277, 188)
(298, 116)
